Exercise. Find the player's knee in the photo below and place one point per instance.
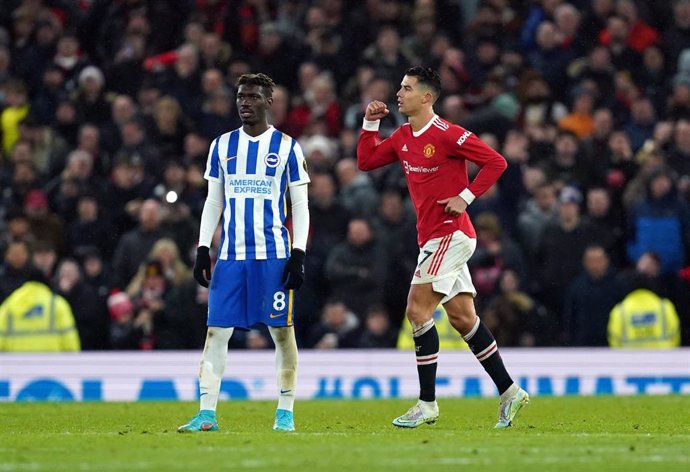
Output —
(417, 314)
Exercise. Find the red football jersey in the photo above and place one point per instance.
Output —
(434, 161)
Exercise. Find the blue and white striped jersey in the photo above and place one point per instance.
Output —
(255, 172)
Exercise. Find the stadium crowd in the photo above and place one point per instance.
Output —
(108, 108)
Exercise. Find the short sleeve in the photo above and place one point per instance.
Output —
(214, 171)
(297, 166)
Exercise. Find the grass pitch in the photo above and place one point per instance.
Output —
(646, 433)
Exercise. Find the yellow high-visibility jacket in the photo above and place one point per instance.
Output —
(449, 339)
(36, 319)
(644, 320)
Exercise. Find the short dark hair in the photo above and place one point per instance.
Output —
(428, 77)
(261, 80)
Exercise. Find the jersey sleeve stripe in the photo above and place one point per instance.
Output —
(293, 168)
(233, 142)
(274, 148)
(213, 170)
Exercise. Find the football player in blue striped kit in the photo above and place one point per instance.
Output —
(249, 172)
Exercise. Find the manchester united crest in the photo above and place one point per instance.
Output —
(429, 150)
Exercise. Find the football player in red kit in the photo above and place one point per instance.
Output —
(433, 154)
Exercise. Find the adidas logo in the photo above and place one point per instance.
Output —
(404, 148)
(418, 273)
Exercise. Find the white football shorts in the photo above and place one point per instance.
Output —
(442, 262)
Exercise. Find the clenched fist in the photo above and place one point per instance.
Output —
(375, 111)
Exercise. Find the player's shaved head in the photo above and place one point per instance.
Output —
(427, 77)
(260, 80)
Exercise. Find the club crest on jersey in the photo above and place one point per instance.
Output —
(429, 150)
(272, 160)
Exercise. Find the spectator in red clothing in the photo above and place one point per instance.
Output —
(640, 34)
(320, 103)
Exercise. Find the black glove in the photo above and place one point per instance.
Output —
(202, 266)
(293, 275)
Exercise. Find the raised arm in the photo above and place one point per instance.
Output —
(372, 153)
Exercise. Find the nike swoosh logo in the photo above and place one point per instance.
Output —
(275, 316)
(202, 394)
(283, 392)
(229, 158)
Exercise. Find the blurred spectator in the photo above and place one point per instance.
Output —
(378, 332)
(122, 111)
(579, 120)
(563, 246)
(127, 330)
(677, 36)
(134, 246)
(395, 225)
(68, 59)
(167, 128)
(90, 100)
(387, 56)
(90, 313)
(320, 112)
(36, 319)
(589, 299)
(602, 216)
(640, 35)
(517, 319)
(91, 228)
(660, 223)
(549, 58)
(596, 145)
(182, 82)
(15, 110)
(124, 192)
(45, 224)
(339, 327)
(356, 268)
(642, 123)
(495, 253)
(44, 258)
(540, 211)
(357, 193)
(165, 253)
(158, 309)
(95, 272)
(16, 267)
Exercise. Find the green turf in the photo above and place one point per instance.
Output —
(647, 433)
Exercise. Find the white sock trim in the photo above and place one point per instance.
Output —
(474, 329)
(420, 329)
